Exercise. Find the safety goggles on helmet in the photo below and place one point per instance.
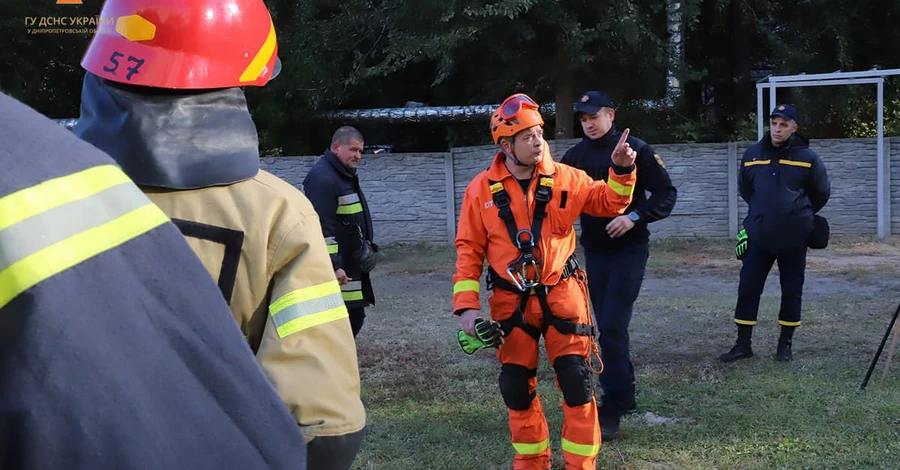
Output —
(511, 107)
(518, 112)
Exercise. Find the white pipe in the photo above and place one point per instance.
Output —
(882, 231)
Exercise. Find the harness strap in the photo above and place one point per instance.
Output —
(518, 317)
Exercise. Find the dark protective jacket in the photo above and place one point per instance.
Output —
(196, 156)
(595, 158)
(783, 187)
(116, 348)
(334, 191)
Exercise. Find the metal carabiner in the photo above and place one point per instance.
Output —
(519, 274)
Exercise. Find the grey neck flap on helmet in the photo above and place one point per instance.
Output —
(180, 139)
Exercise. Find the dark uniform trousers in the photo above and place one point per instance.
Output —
(614, 282)
(357, 318)
(757, 263)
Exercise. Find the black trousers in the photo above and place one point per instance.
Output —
(757, 264)
(614, 282)
(357, 318)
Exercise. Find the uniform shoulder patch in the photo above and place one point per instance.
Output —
(659, 160)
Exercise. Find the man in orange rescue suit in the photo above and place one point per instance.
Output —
(163, 96)
(519, 215)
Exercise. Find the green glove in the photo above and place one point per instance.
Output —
(487, 335)
(469, 344)
(741, 248)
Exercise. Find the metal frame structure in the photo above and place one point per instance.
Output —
(873, 76)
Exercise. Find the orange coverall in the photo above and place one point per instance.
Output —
(483, 234)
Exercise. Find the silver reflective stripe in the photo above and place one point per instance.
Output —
(348, 199)
(330, 241)
(307, 307)
(55, 225)
(352, 286)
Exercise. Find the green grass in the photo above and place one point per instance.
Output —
(432, 407)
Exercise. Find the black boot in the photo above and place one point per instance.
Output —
(609, 416)
(783, 353)
(741, 349)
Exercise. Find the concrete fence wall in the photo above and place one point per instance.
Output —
(416, 197)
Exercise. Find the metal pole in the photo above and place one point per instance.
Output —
(880, 348)
(881, 173)
(772, 103)
(759, 111)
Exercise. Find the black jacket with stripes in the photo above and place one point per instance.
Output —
(784, 187)
(344, 213)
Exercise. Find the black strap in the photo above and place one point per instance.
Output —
(518, 320)
(566, 327)
(518, 317)
(502, 201)
(542, 196)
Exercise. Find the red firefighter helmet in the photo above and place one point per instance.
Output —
(185, 44)
(517, 112)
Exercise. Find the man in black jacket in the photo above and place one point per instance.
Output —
(332, 186)
(784, 184)
(616, 250)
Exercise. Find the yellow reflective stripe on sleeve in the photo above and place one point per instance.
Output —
(531, 449)
(351, 296)
(745, 322)
(307, 307)
(55, 225)
(350, 209)
(584, 450)
(255, 68)
(332, 245)
(788, 323)
(620, 188)
(466, 286)
(28, 202)
(352, 291)
(795, 163)
(757, 162)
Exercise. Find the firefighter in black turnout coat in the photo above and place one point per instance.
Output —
(332, 186)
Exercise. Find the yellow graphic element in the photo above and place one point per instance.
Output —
(781, 108)
(254, 70)
(135, 28)
(68, 2)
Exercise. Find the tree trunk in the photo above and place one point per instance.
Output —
(741, 49)
(676, 50)
(563, 91)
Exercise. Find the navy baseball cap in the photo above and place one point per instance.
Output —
(785, 111)
(591, 102)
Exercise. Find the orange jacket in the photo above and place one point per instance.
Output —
(483, 234)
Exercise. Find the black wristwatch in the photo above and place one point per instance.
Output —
(634, 216)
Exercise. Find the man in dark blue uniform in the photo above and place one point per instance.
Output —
(116, 347)
(332, 186)
(785, 184)
(616, 250)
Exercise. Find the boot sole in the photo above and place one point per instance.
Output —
(729, 360)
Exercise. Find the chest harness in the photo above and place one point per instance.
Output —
(525, 271)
